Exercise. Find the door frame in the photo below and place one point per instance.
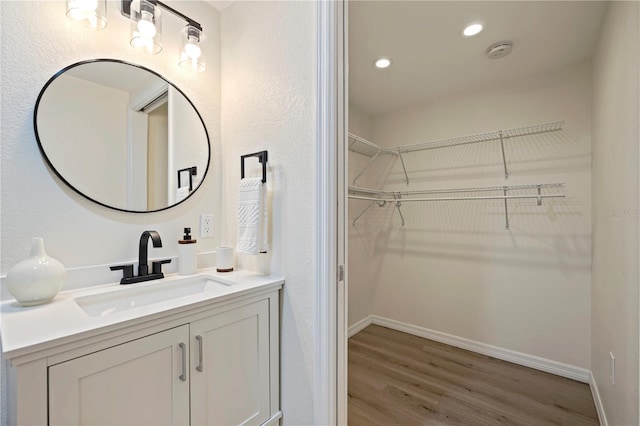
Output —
(330, 396)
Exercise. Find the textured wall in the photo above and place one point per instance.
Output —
(37, 40)
(453, 267)
(35, 203)
(269, 102)
(616, 135)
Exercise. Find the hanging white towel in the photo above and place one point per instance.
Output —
(182, 193)
(252, 217)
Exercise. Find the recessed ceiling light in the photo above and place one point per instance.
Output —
(472, 30)
(383, 63)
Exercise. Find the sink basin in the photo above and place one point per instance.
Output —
(149, 293)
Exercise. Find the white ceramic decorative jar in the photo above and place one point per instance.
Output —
(37, 279)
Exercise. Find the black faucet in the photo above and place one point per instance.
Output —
(143, 267)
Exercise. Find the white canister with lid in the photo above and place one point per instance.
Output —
(224, 259)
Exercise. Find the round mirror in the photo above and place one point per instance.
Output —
(121, 135)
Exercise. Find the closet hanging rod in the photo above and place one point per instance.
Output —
(355, 189)
(395, 198)
(382, 198)
(486, 197)
(483, 137)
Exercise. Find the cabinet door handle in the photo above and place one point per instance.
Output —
(200, 366)
(183, 376)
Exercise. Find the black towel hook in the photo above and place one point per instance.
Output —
(262, 157)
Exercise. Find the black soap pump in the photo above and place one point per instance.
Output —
(187, 263)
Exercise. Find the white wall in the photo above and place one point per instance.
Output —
(269, 103)
(359, 122)
(616, 135)
(78, 232)
(37, 40)
(453, 267)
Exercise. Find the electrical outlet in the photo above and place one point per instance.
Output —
(612, 368)
(206, 225)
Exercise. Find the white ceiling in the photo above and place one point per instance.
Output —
(431, 59)
(220, 4)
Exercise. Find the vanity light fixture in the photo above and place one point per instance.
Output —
(383, 63)
(146, 22)
(472, 29)
(191, 57)
(146, 26)
(92, 13)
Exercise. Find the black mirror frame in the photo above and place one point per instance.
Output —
(59, 175)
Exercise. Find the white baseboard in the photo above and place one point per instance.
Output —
(360, 325)
(597, 401)
(531, 361)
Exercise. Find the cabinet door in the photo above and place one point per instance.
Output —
(233, 386)
(143, 382)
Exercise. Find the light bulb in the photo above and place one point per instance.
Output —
(191, 49)
(88, 5)
(92, 12)
(472, 30)
(146, 26)
(138, 41)
(93, 21)
(76, 14)
(383, 63)
(82, 9)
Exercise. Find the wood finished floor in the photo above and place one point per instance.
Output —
(400, 379)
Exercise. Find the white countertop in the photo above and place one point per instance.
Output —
(27, 329)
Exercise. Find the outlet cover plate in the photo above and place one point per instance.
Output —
(206, 225)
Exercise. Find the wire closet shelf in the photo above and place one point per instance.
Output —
(396, 198)
(370, 149)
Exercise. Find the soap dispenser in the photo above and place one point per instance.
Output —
(187, 263)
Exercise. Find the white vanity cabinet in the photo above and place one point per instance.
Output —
(213, 364)
(136, 383)
(231, 373)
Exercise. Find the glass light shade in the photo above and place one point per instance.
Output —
(92, 13)
(146, 26)
(192, 55)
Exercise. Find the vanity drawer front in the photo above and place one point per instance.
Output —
(142, 382)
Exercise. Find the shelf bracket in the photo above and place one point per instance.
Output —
(406, 176)
(366, 166)
(539, 195)
(506, 209)
(504, 159)
(397, 197)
